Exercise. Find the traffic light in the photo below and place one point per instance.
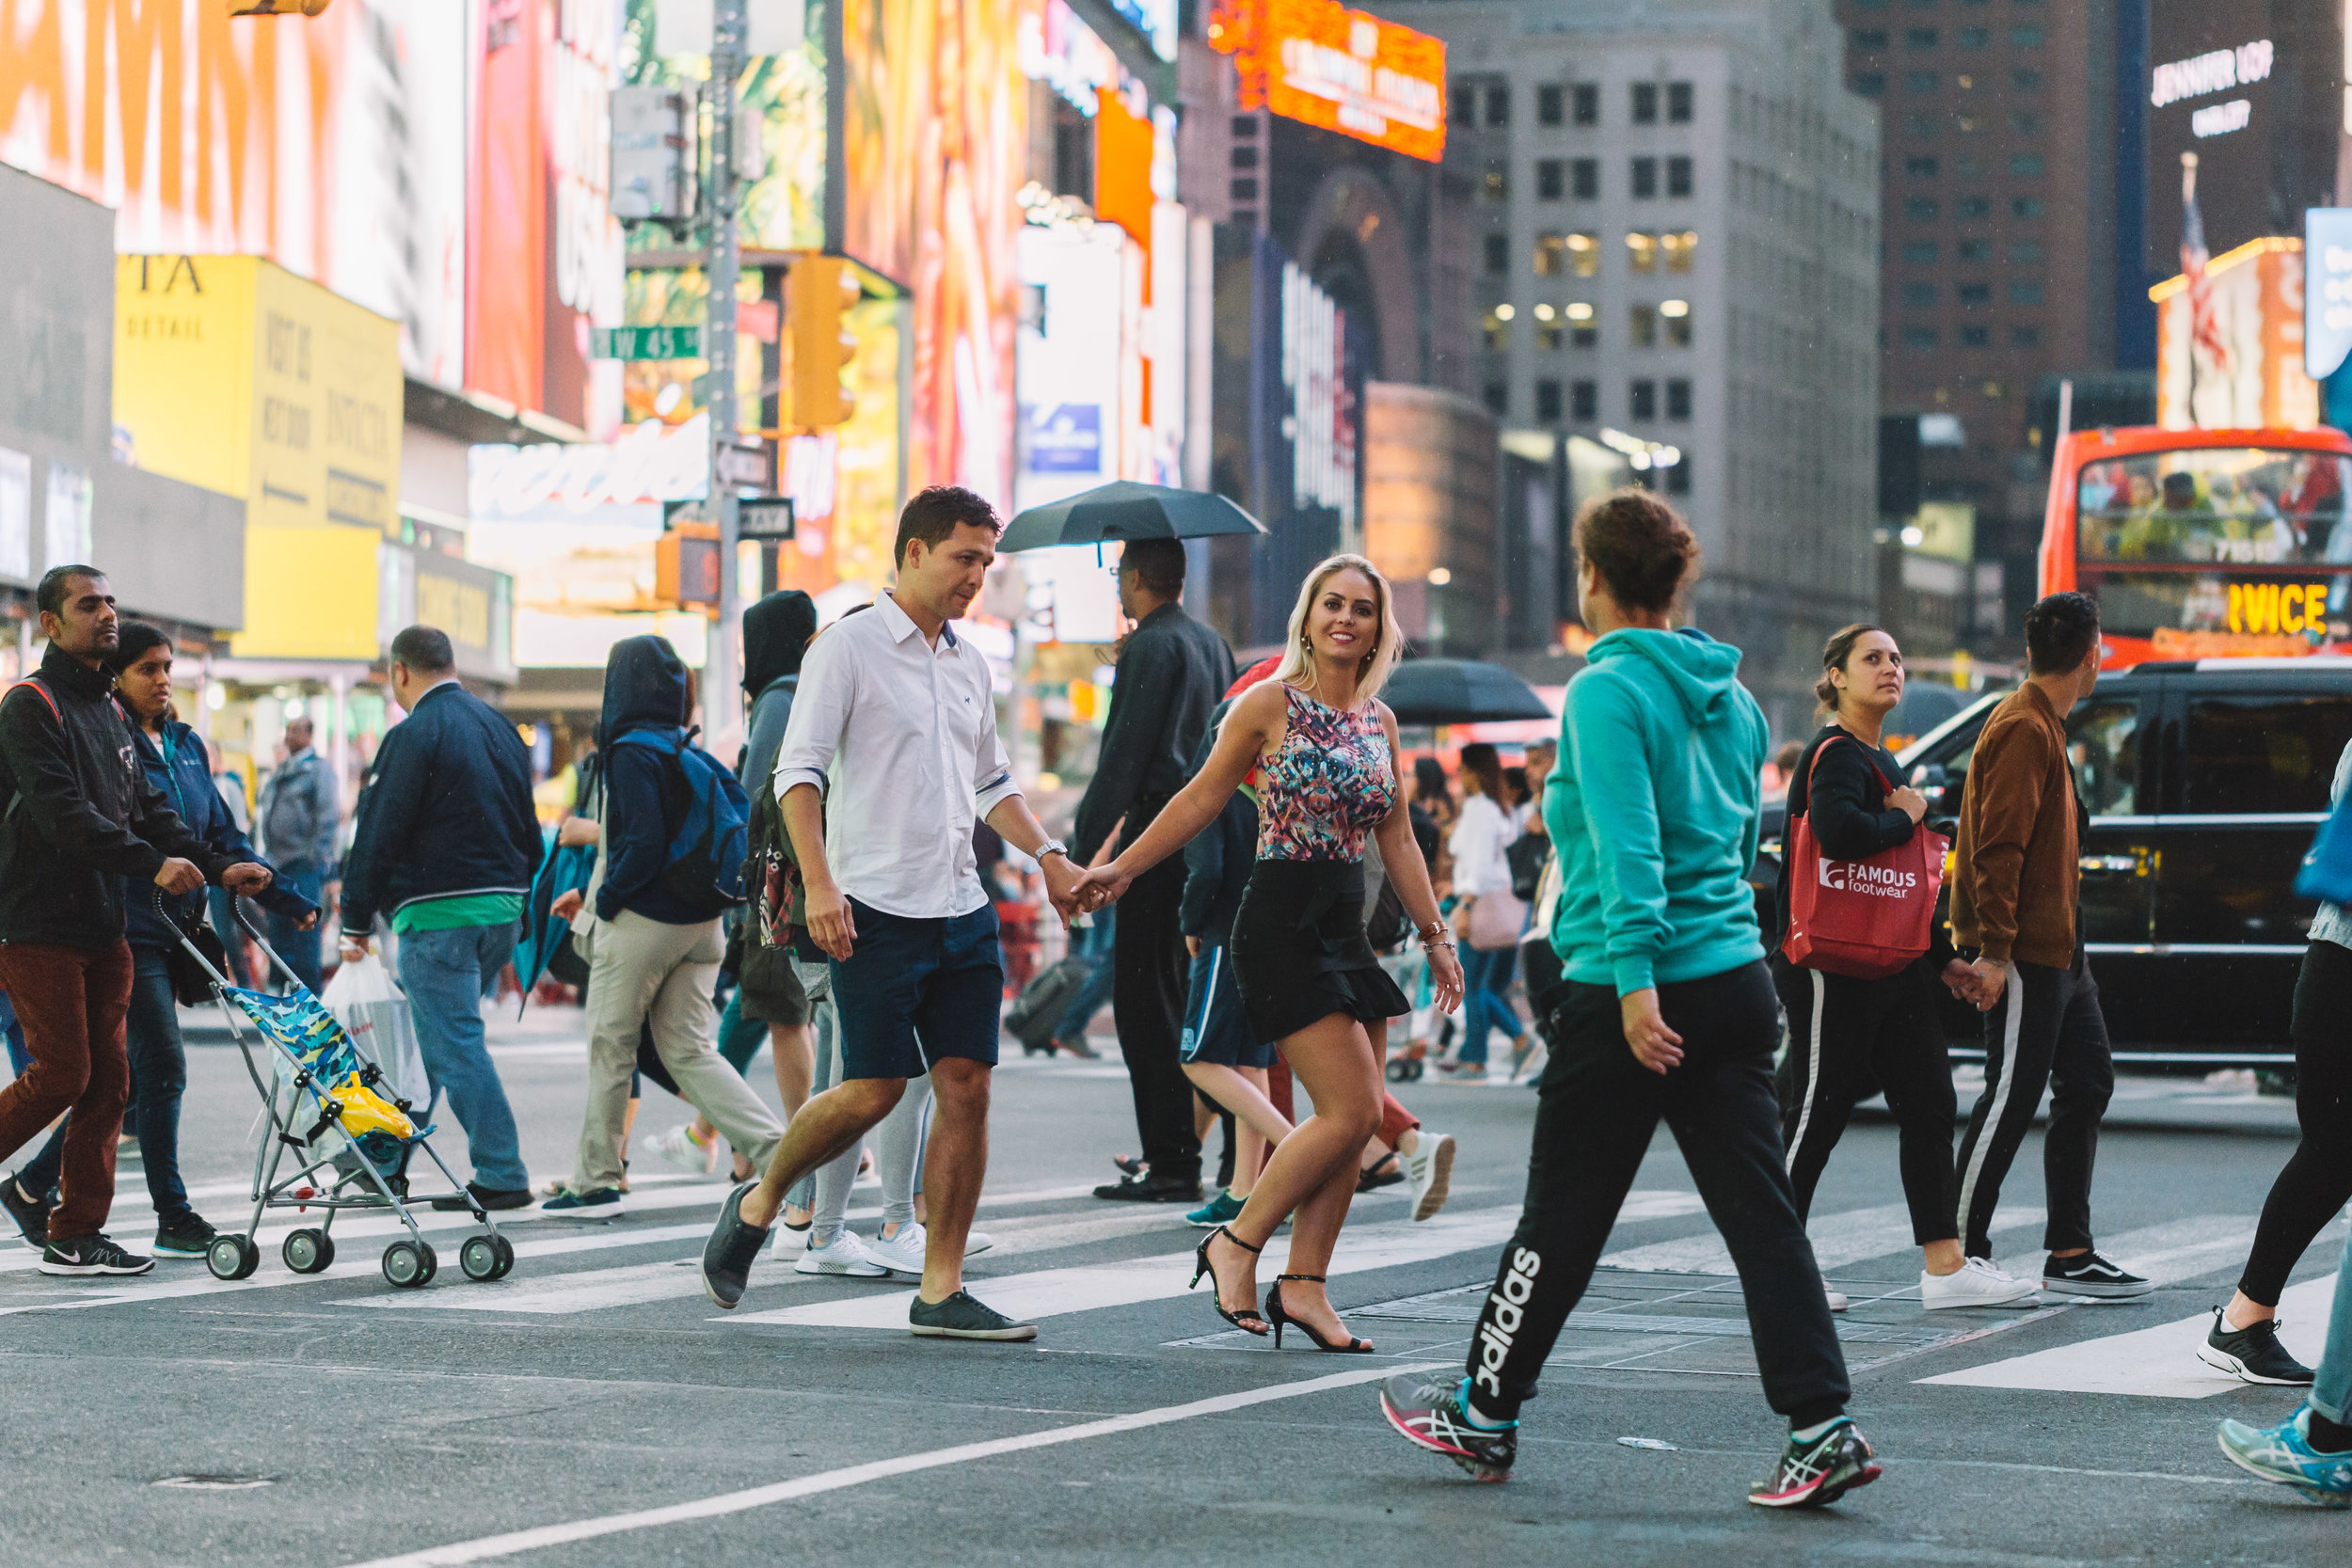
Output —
(686, 566)
(815, 292)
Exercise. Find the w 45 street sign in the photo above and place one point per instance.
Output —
(645, 343)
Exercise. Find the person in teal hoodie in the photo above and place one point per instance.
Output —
(1669, 1014)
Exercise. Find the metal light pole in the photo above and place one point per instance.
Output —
(721, 705)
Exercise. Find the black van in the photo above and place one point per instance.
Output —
(2205, 781)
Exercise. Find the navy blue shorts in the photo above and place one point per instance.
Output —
(1216, 1026)
(914, 990)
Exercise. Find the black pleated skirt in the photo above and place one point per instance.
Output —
(1299, 950)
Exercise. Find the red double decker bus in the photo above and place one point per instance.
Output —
(2204, 543)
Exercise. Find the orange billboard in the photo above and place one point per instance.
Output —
(1320, 63)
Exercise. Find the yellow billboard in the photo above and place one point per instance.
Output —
(309, 594)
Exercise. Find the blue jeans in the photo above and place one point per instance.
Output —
(18, 1058)
(1487, 985)
(445, 973)
(159, 1076)
(1096, 993)
(299, 948)
(2331, 1393)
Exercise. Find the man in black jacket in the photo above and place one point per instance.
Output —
(1172, 672)
(445, 846)
(81, 822)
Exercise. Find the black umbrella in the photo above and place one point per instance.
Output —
(1125, 510)
(1459, 691)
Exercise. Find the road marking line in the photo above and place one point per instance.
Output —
(1837, 1241)
(725, 1503)
(2160, 1361)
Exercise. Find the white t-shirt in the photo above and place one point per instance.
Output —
(1480, 836)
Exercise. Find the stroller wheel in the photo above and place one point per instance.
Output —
(409, 1264)
(232, 1257)
(1414, 1067)
(307, 1251)
(1400, 1070)
(485, 1258)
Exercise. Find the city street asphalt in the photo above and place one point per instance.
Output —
(594, 1409)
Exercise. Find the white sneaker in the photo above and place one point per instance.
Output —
(1837, 1299)
(903, 1252)
(843, 1255)
(1976, 1283)
(1429, 1170)
(679, 1146)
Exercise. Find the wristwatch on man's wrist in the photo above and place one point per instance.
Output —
(1050, 846)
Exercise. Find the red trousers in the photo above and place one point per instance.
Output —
(71, 1002)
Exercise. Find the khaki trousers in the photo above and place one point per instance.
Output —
(645, 969)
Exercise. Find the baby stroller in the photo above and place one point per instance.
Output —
(355, 1152)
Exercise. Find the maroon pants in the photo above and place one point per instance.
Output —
(71, 1002)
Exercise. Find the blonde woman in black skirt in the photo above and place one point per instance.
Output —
(1325, 750)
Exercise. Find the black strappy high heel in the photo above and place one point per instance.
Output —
(1275, 1311)
(1246, 1320)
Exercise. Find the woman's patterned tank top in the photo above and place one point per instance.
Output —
(1329, 785)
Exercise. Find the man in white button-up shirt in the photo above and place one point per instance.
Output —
(890, 757)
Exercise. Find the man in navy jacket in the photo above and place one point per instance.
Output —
(445, 846)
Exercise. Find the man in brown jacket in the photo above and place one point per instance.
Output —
(2015, 876)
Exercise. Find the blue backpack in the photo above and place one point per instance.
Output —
(705, 862)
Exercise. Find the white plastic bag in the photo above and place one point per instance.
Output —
(370, 1006)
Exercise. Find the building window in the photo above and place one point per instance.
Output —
(1921, 126)
(1551, 179)
(1681, 173)
(1919, 168)
(2024, 293)
(1869, 38)
(1678, 103)
(1584, 399)
(1675, 314)
(1584, 254)
(2024, 38)
(2026, 81)
(1972, 209)
(1546, 403)
(1680, 249)
(1975, 250)
(1869, 84)
(2028, 163)
(1920, 210)
(1548, 326)
(1498, 182)
(1645, 178)
(1644, 103)
(1497, 253)
(1245, 157)
(1642, 402)
(2026, 252)
(1642, 322)
(2024, 207)
(1583, 331)
(1678, 477)
(1642, 251)
(1921, 253)
(1920, 81)
(1499, 399)
(2025, 123)
(1497, 326)
(1679, 399)
(1585, 99)
(1245, 190)
(2024, 336)
(1918, 297)
(1464, 109)
(1551, 103)
(1552, 255)
(1585, 175)
(1976, 337)
(1499, 106)
(1919, 37)
(1974, 294)
(1974, 38)
(1919, 337)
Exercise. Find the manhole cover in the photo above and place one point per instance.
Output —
(216, 1482)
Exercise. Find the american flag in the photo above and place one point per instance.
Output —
(2205, 330)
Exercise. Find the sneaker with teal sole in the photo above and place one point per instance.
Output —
(2284, 1454)
(1221, 1210)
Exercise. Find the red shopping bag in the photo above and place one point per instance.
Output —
(1865, 918)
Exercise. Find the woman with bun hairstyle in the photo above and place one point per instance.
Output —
(1668, 1014)
(1850, 1037)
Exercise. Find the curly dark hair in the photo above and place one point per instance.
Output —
(1641, 547)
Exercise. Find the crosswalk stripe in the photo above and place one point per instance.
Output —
(2160, 1361)
(1837, 1241)
(1053, 1292)
(2180, 1249)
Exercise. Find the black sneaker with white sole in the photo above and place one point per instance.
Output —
(964, 1317)
(1426, 1409)
(728, 1256)
(30, 1213)
(91, 1255)
(1815, 1472)
(2095, 1275)
(190, 1236)
(2252, 1354)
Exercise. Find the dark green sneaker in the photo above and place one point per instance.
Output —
(962, 1316)
(728, 1256)
(1221, 1210)
(189, 1236)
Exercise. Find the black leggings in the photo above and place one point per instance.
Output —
(1596, 1110)
(1847, 1040)
(2317, 1181)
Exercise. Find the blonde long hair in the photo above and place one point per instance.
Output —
(1388, 643)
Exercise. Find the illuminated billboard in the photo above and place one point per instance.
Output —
(1322, 64)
